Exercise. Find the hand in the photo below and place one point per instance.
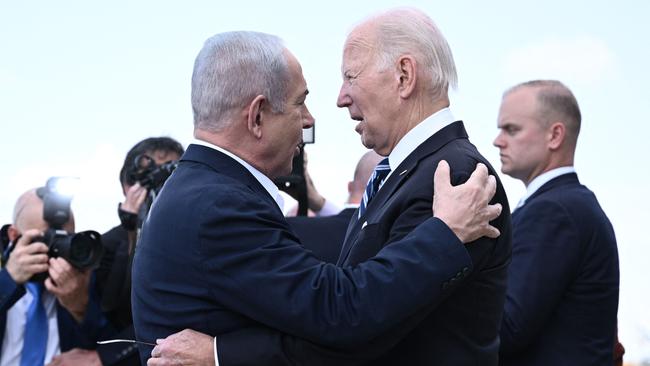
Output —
(27, 259)
(315, 201)
(183, 348)
(70, 286)
(135, 196)
(77, 356)
(465, 208)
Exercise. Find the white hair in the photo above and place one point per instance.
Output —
(231, 70)
(410, 31)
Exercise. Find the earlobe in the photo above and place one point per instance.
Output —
(13, 233)
(255, 116)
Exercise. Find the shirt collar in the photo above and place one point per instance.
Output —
(418, 134)
(263, 179)
(542, 179)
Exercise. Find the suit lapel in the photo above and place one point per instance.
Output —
(397, 178)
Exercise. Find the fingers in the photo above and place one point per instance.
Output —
(491, 188)
(28, 237)
(479, 175)
(442, 176)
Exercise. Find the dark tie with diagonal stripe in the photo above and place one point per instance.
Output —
(374, 183)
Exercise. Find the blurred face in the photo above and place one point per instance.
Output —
(370, 94)
(161, 157)
(522, 138)
(283, 131)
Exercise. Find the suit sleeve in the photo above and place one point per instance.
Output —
(261, 270)
(10, 291)
(545, 258)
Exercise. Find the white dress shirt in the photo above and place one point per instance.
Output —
(12, 344)
(542, 179)
(416, 136)
(263, 179)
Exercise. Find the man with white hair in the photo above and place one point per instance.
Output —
(397, 68)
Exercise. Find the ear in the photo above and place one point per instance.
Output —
(350, 187)
(254, 120)
(13, 233)
(407, 70)
(557, 134)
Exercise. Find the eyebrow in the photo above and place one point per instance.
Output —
(303, 95)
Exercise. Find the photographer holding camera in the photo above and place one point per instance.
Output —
(46, 306)
(146, 167)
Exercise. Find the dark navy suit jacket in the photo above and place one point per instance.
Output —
(216, 255)
(322, 235)
(94, 326)
(563, 281)
(462, 327)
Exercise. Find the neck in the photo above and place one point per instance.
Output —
(237, 143)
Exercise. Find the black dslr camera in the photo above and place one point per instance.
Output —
(295, 184)
(83, 250)
(148, 174)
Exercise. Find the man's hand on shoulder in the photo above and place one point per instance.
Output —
(464, 208)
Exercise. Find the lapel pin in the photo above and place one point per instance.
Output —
(364, 224)
(402, 173)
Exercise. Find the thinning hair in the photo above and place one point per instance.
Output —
(555, 103)
(403, 31)
(232, 69)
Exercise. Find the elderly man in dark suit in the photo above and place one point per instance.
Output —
(397, 68)
(563, 281)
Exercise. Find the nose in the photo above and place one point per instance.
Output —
(307, 120)
(344, 99)
(498, 141)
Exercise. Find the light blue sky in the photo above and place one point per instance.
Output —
(81, 82)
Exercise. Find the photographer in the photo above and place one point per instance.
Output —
(146, 166)
(40, 319)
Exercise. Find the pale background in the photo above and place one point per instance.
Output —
(81, 82)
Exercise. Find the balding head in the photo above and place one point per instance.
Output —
(409, 31)
(555, 103)
(362, 173)
(28, 214)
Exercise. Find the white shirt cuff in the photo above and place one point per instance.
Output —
(216, 359)
(328, 209)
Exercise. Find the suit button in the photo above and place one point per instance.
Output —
(459, 274)
(465, 270)
(445, 285)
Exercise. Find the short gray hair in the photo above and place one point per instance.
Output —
(403, 31)
(231, 69)
(555, 102)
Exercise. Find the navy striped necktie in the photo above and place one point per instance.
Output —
(374, 183)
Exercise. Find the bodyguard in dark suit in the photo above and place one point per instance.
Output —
(216, 254)
(403, 114)
(563, 281)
